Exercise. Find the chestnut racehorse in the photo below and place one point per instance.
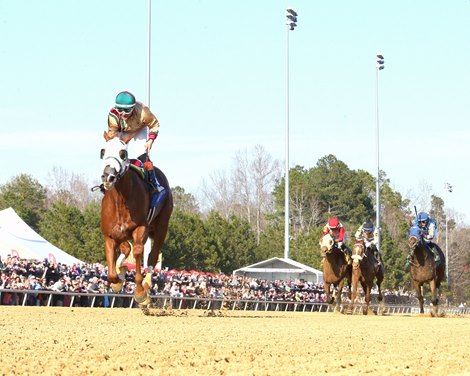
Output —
(124, 217)
(423, 268)
(365, 270)
(335, 270)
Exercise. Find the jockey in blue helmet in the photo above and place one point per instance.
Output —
(428, 227)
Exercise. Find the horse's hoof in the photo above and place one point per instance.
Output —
(116, 287)
(143, 300)
(146, 303)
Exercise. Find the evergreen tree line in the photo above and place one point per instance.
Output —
(240, 218)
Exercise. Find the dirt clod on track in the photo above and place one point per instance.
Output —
(123, 341)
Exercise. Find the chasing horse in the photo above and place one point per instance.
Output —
(424, 268)
(365, 270)
(335, 270)
(131, 212)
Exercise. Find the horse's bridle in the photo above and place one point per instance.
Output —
(357, 256)
(108, 171)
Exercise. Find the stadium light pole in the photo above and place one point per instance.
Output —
(379, 65)
(449, 189)
(291, 22)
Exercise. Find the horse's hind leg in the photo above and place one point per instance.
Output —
(158, 231)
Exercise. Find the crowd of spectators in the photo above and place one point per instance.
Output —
(85, 279)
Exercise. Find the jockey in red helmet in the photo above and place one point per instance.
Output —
(336, 231)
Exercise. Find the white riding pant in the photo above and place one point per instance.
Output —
(136, 146)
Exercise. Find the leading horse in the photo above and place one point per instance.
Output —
(126, 219)
(423, 268)
(365, 270)
(335, 270)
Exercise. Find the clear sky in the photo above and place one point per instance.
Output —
(218, 85)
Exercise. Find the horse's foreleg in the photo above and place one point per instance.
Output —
(327, 287)
(110, 253)
(381, 309)
(338, 297)
(125, 249)
(140, 237)
(353, 292)
(367, 289)
(419, 293)
(434, 298)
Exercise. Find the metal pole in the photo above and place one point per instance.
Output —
(447, 252)
(286, 198)
(377, 184)
(148, 243)
(448, 189)
(148, 49)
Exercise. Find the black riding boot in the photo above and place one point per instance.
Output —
(347, 254)
(377, 256)
(151, 176)
(437, 258)
(152, 179)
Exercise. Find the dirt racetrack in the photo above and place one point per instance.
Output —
(120, 341)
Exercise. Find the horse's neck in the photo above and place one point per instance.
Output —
(335, 256)
(421, 251)
(126, 185)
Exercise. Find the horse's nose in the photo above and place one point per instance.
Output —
(106, 178)
(109, 175)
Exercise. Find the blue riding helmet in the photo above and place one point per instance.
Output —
(422, 216)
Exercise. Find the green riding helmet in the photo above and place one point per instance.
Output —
(125, 101)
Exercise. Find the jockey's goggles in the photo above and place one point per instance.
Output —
(123, 111)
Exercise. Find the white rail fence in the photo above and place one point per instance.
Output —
(111, 300)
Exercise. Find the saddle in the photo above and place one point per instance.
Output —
(138, 166)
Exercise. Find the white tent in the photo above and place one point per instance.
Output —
(18, 239)
(281, 268)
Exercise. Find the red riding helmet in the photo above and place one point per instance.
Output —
(333, 223)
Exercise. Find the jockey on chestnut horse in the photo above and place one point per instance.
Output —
(137, 202)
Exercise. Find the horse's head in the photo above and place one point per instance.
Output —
(415, 237)
(358, 252)
(115, 161)
(326, 244)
